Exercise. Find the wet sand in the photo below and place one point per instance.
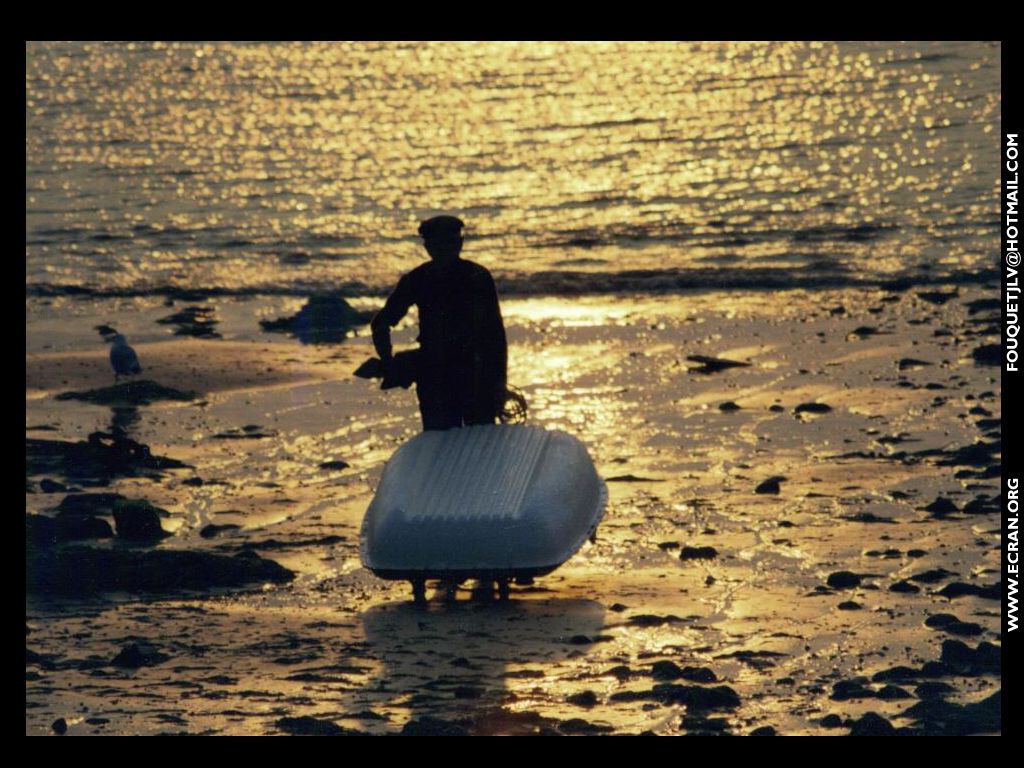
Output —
(779, 540)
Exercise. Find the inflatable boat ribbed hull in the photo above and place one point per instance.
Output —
(485, 500)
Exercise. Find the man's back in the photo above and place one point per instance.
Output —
(461, 375)
(459, 313)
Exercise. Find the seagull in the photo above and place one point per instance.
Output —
(123, 358)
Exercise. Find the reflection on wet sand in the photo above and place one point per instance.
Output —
(461, 661)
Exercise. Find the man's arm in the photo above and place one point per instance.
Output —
(395, 307)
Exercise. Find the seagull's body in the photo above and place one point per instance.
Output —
(123, 359)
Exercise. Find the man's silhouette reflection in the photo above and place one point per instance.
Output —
(461, 369)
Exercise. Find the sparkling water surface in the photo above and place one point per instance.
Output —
(588, 167)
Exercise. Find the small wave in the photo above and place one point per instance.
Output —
(580, 262)
(568, 283)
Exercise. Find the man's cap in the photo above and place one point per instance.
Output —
(441, 226)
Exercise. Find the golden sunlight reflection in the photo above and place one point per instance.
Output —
(754, 279)
(567, 155)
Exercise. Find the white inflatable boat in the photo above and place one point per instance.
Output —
(495, 503)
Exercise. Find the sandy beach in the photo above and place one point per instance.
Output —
(804, 544)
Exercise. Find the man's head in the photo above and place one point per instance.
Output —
(442, 237)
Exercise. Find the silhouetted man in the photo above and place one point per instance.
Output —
(461, 369)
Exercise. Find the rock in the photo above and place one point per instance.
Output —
(872, 724)
(701, 725)
(666, 670)
(699, 675)
(867, 517)
(983, 505)
(78, 528)
(40, 532)
(764, 730)
(988, 354)
(964, 628)
(650, 620)
(756, 659)
(632, 479)
(728, 407)
(937, 297)
(831, 721)
(88, 504)
(311, 726)
(324, 318)
(901, 674)
(982, 305)
(38, 659)
(932, 576)
(78, 570)
(193, 321)
(934, 690)
(935, 669)
(143, 392)
(60, 726)
(960, 657)
(248, 432)
(43, 532)
(621, 673)
(697, 697)
(908, 363)
(211, 530)
(979, 454)
(849, 605)
(936, 717)
(959, 589)
(850, 689)
(776, 409)
(891, 692)
(812, 408)
(46, 485)
(904, 586)
(135, 655)
(669, 670)
(843, 580)
(697, 553)
(138, 520)
(713, 364)
(887, 554)
(577, 725)
(941, 506)
(694, 696)
(862, 332)
(334, 465)
(431, 726)
(102, 457)
(583, 699)
(771, 485)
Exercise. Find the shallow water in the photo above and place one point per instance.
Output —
(288, 167)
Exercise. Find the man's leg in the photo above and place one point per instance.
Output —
(478, 407)
(437, 410)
